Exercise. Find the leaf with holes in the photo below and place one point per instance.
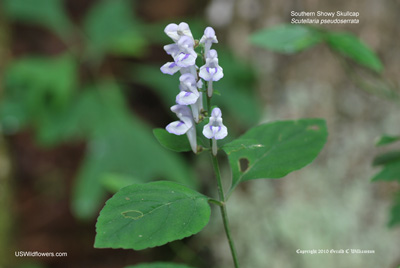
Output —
(142, 216)
(275, 149)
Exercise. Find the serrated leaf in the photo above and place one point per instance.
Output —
(159, 265)
(352, 47)
(275, 149)
(386, 139)
(112, 27)
(390, 172)
(142, 216)
(286, 38)
(387, 158)
(47, 13)
(172, 142)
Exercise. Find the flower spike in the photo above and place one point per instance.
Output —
(182, 50)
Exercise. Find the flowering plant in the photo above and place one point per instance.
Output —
(146, 215)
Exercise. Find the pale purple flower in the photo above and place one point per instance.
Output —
(208, 38)
(186, 56)
(170, 68)
(186, 120)
(191, 69)
(175, 32)
(189, 94)
(183, 54)
(184, 125)
(215, 129)
(211, 71)
(172, 49)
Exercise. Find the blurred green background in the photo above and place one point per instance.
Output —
(81, 91)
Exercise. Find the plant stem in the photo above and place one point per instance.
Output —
(208, 104)
(223, 211)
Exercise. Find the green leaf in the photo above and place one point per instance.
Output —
(114, 182)
(112, 27)
(352, 47)
(159, 265)
(118, 144)
(172, 142)
(395, 212)
(286, 38)
(386, 139)
(386, 158)
(390, 172)
(42, 81)
(47, 13)
(275, 149)
(38, 91)
(201, 139)
(142, 216)
(180, 143)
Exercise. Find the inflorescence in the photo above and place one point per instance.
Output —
(189, 102)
